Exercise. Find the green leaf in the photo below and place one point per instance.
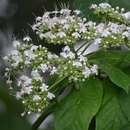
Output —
(125, 104)
(117, 76)
(10, 113)
(76, 111)
(112, 57)
(111, 115)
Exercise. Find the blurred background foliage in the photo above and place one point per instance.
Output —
(10, 113)
(23, 17)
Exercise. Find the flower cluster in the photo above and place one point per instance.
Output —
(114, 14)
(63, 27)
(33, 92)
(68, 28)
(112, 35)
(76, 67)
(114, 30)
(32, 66)
(27, 63)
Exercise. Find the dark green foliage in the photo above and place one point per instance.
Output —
(10, 113)
(76, 111)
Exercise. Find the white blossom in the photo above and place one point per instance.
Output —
(27, 38)
(97, 41)
(77, 64)
(65, 11)
(44, 67)
(44, 87)
(66, 26)
(126, 34)
(126, 16)
(24, 81)
(104, 5)
(77, 12)
(93, 6)
(18, 95)
(50, 95)
(53, 70)
(61, 34)
(86, 72)
(16, 43)
(36, 98)
(94, 69)
(76, 35)
(105, 33)
(35, 75)
(29, 55)
(34, 48)
(52, 56)
(26, 90)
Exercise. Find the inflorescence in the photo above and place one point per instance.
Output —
(32, 66)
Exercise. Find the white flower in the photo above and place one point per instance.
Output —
(38, 19)
(100, 28)
(9, 81)
(105, 33)
(94, 69)
(26, 90)
(76, 35)
(44, 87)
(18, 95)
(82, 29)
(67, 53)
(66, 49)
(115, 28)
(50, 95)
(36, 98)
(77, 12)
(47, 35)
(104, 5)
(52, 23)
(34, 48)
(29, 55)
(44, 67)
(51, 56)
(66, 26)
(34, 27)
(77, 64)
(16, 44)
(93, 6)
(86, 72)
(126, 16)
(24, 81)
(90, 24)
(82, 58)
(54, 70)
(35, 74)
(65, 11)
(71, 55)
(97, 41)
(63, 21)
(61, 34)
(27, 39)
(16, 58)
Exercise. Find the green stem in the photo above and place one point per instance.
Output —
(47, 111)
(57, 82)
